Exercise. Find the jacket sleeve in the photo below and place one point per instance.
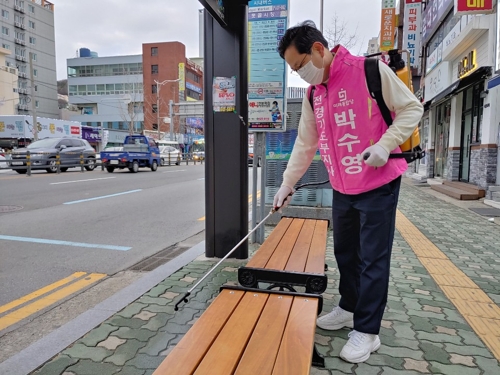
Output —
(305, 146)
(400, 100)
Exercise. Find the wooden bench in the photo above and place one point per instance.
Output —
(249, 332)
(293, 255)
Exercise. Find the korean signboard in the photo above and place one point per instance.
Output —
(182, 81)
(497, 65)
(22, 127)
(224, 94)
(435, 12)
(411, 31)
(267, 22)
(216, 9)
(388, 25)
(91, 134)
(438, 80)
(463, 7)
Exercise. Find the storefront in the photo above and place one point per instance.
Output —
(460, 118)
(92, 135)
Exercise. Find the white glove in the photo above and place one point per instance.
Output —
(282, 197)
(375, 156)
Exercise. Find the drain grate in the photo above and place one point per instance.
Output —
(156, 260)
(6, 209)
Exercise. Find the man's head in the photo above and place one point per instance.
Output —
(305, 50)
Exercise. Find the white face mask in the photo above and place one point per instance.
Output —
(311, 74)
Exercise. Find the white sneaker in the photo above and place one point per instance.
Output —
(337, 319)
(359, 347)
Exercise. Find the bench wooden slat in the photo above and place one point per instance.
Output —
(298, 258)
(225, 353)
(296, 350)
(261, 257)
(188, 353)
(317, 253)
(280, 257)
(263, 346)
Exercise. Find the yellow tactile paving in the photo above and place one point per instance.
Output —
(477, 308)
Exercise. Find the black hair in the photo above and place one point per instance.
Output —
(275, 102)
(302, 36)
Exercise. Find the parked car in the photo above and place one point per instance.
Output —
(3, 159)
(170, 155)
(43, 155)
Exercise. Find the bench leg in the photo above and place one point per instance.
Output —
(317, 360)
(326, 267)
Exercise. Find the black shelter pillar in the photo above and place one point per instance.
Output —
(226, 134)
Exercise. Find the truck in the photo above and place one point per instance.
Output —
(138, 151)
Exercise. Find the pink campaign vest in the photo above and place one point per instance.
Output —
(348, 121)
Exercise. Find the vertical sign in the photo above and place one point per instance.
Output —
(267, 22)
(388, 25)
(411, 31)
(467, 7)
(182, 81)
(497, 65)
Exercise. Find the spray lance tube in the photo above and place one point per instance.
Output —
(184, 298)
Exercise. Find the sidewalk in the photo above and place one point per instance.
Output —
(423, 331)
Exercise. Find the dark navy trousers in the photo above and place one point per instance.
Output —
(363, 232)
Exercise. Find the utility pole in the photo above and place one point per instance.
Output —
(33, 99)
(170, 113)
(158, 85)
(321, 6)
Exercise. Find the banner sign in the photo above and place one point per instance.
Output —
(91, 134)
(465, 7)
(388, 25)
(224, 94)
(412, 27)
(267, 22)
(435, 12)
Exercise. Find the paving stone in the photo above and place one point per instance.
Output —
(467, 350)
(322, 340)
(130, 333)
(146, 362)
(391, 371)
(421, 324)
(125, 352)
(157, 344)
(170, 295)
(399, 342)
(335, 363)
(440, 368)
(174, 328)
(57, 365)
(448, 331)
(161, 309)
(111, 343)
(97, 334)
(420, 366)
(400, 352)
(84, 352)
(158, 321)
(118, 321)
(159, 290)
(470, 338)
(488, 365)
(377, 359)
(154, 301)
(434, 352)
(465, 360)
(437, 310)
(425, 314)
(87, 367)
(188, 279)
(317, 371)
(403, 330)
(386, 324)
(184, 315)
(130, 370)
(131, 310)
(450, 324)
(145, 315)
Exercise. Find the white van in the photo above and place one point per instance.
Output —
(169, 143)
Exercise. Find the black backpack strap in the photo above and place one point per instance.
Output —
(311, 96)
(374, 83)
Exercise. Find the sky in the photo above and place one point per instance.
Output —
(119, 27)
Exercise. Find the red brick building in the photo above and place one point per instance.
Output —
(164, 62)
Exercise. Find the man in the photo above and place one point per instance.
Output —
(346, 125)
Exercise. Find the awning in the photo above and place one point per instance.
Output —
(495, 81)
(481, 73)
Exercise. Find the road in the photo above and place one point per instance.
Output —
(106, 222)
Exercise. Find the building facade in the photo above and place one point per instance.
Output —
(108, 91)
(460, 126)
(9, 97)
(373, 46)
(28, 30)
(168, 76)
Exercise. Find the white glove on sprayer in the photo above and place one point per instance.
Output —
(375, 156)
(282, 197)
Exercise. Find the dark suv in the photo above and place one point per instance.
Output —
(43, 155)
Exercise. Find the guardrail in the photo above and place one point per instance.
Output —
(53, 162)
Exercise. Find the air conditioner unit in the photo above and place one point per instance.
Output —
(20, 41)
(23, 91)
(22, 74)
(19, 57)
(15, 90)
(24, 58)
(13, 70)
(18, 24)
(23, 107)
(17, 7)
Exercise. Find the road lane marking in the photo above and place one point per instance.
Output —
(40, 292)
(104, 197)
(72, 182)
(64, 243)
(478, 309)
(22, 313)
(249, 201)
(180, 170)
